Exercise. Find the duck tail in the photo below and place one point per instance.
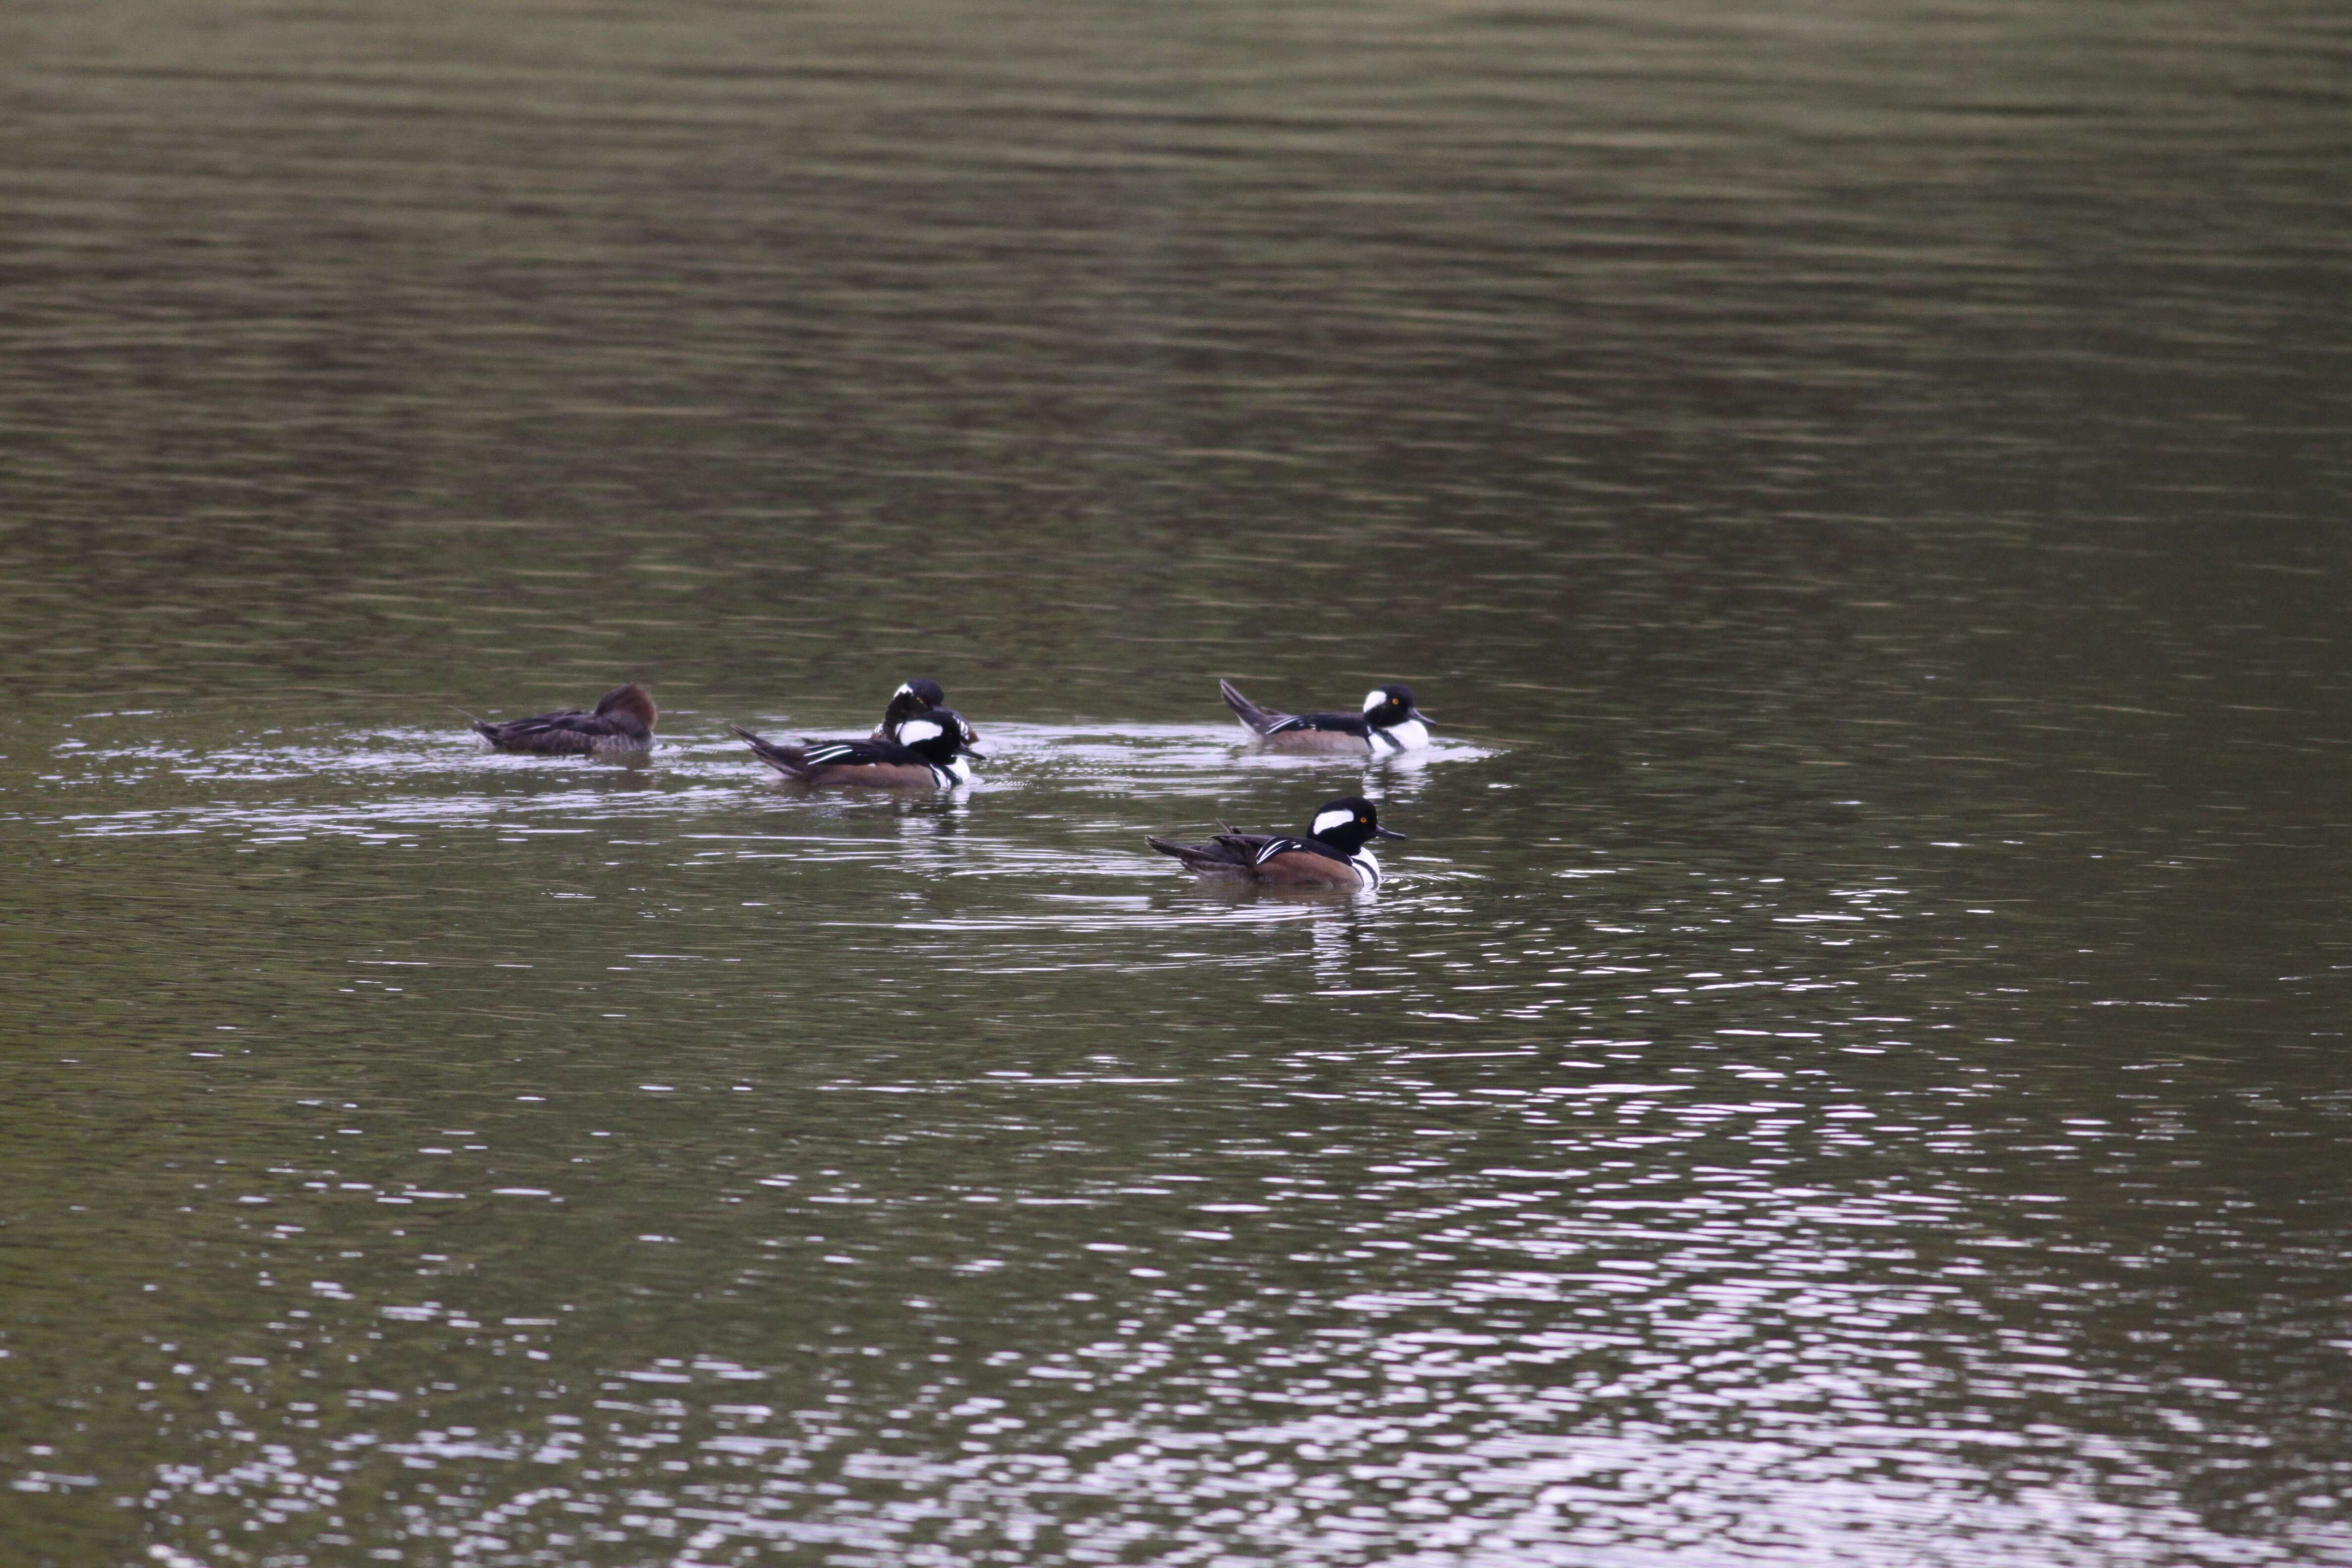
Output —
(1196, 856)
(785, 760)
(1259, 720)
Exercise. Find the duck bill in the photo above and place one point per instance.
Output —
(1389, 832)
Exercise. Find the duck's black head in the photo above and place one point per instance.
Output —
(911, 699)
(1391, 704)
(1349, 823)
(940, 736)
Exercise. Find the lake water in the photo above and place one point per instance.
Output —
(1850, 1065)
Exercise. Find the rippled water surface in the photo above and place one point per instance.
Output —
(1850, 1065)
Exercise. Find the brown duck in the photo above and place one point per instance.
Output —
(622, 722)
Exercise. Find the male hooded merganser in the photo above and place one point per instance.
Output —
(1389, 724)
(1330, 856)
(623, 721)
(933, 760)
(913, 700)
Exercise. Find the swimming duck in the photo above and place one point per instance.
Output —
(936, 760)
(623, 721)
(1387, 725)
(1330, 856)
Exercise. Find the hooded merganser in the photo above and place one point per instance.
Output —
(1330, 856)
(623, 721)
(1389, 724)
(934, 761)
(913, 700)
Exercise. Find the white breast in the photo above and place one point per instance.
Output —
(953, 772)
(1410, 736)
(1366, 868)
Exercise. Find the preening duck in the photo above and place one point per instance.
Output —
(622, 720)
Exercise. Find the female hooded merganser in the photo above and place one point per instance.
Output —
(913, 700)
(933, 760)
(1330, 856)
(1389, 724)
(623, 721)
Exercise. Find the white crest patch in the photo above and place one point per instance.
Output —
(915, 729)
(1373, 700)
(904, 691)
(1327, 820)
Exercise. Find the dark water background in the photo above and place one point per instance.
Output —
(1850, 1067)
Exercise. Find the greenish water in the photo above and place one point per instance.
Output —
(1850, 1065)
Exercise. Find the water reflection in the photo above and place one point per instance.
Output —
(936, 1175)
